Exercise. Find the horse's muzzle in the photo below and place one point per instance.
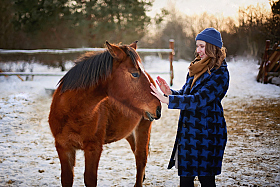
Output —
(158, 114)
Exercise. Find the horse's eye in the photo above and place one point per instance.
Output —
(135, 74)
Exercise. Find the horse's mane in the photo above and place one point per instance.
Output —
(92, 68)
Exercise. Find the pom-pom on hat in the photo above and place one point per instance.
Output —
(210, 35)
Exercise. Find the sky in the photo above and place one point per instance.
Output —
(222, 7)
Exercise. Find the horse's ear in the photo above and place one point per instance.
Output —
(134, 45)
(115, 51)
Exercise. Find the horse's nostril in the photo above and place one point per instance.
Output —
(158, 112)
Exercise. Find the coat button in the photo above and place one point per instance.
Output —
(184, 125)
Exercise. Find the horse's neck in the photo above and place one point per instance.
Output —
(121, 121)
(126, 111)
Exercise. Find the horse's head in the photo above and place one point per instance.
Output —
(130, 84)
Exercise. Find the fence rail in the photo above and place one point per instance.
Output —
(77, 50)
(33, 73)
(52, 73)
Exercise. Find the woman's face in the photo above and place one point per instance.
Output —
(200, 48)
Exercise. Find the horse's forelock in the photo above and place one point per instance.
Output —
(137, 61)
(134, 56)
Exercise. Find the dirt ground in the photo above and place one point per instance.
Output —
(253, 149)
(251, 156)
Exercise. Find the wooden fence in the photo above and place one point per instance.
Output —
(270, 66)
(77, 50)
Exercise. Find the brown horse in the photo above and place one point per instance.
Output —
(105, 97)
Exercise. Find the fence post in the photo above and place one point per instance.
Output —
(261, 75)
(171, 54)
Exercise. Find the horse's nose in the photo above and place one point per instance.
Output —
(158, 112)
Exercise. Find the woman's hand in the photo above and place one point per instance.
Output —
(163, 86)
(157, 93)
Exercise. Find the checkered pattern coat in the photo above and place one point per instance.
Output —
(202, 134)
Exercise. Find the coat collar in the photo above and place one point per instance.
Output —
(201, 79)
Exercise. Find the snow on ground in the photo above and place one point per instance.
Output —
(251, 158)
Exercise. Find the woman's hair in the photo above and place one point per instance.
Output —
(216, 54)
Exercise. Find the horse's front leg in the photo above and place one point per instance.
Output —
(67, 156)
(142, 133)
(92, 156)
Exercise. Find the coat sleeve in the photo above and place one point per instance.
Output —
(181, 91)
(212, 89)
(178, 92)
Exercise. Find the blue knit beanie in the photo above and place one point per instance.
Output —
(210, 35)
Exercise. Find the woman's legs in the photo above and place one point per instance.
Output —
(186, 181)
(207, 181)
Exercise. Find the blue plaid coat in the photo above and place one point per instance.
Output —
(202, 134)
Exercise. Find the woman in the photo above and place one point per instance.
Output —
(202, 134)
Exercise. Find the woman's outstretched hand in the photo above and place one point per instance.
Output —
(163, 86)
(157, 93)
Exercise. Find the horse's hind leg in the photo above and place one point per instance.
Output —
(142, 149)
(67, 158)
